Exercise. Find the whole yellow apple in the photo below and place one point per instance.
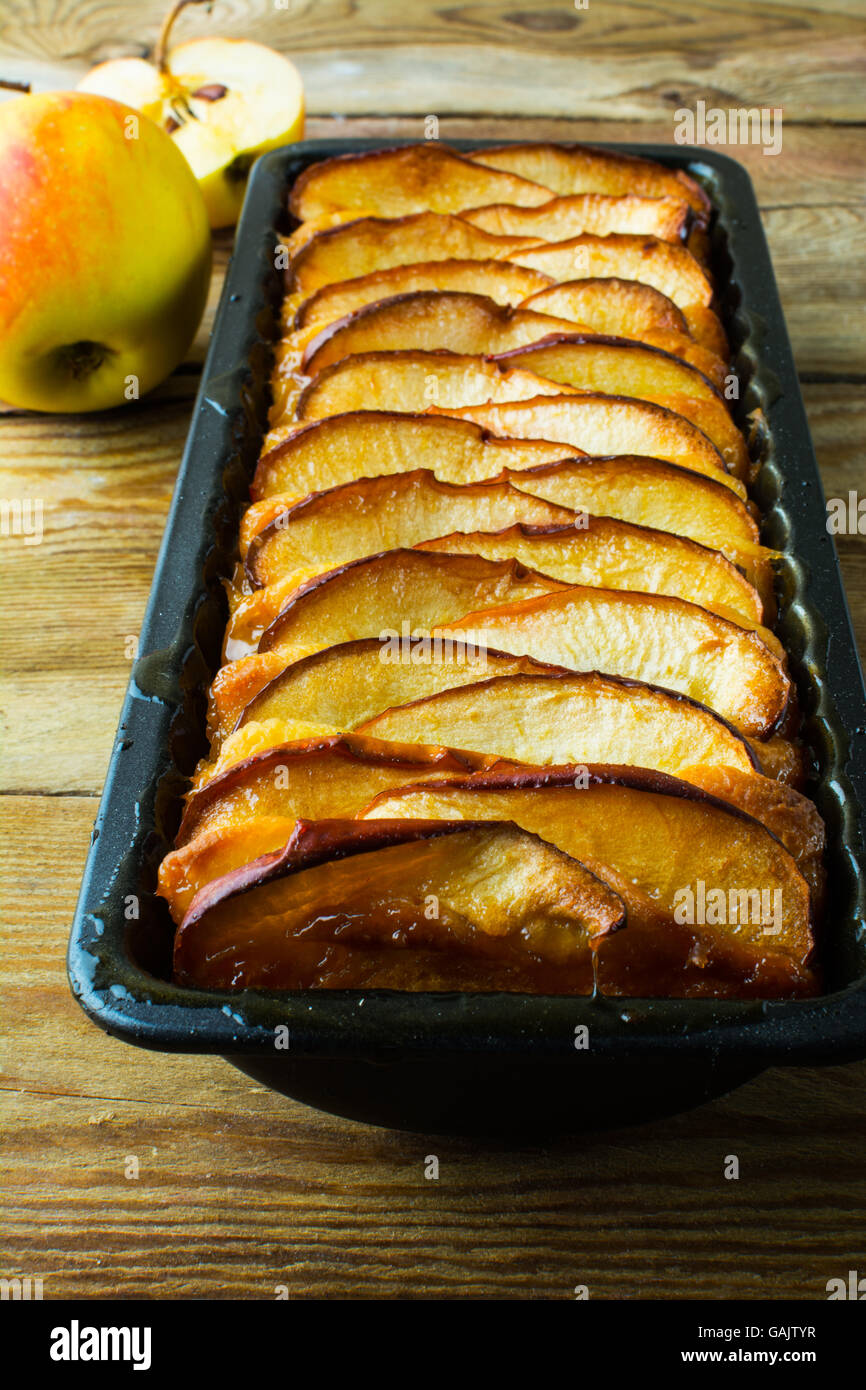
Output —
(105, 253)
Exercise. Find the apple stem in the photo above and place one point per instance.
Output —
(160, 52)
(9, 85)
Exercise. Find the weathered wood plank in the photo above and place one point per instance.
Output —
(619, 58)
(345, 1210)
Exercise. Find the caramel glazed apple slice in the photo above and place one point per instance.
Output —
(499, 423)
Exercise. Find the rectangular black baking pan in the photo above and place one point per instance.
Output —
(464, 1062)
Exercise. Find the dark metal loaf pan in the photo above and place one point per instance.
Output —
(464, 1062)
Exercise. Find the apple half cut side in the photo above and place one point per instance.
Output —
(602, 552)
(429, 177)
(512, 912)
(648, 637)
(603, 426)
(617, 366)
(376, 596)
(374, 443)
(287, 542)
(249, 808)
(571, 169)
(430, 319)
(577, 213)
(628, 309)
(650, 492)
(412, 381)
(672, 851)
(223, 102)
(573, 717)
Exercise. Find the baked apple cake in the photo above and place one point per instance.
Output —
(501, 704)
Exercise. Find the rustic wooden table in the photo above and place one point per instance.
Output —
(239, 1190)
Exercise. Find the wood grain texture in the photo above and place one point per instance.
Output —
(533, 57)
(240, 1190)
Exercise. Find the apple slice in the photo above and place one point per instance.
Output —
(623, 308)
(343, 686)
(610, 554)
(792, 817)
(251, 808)
(411, 178)
(649, 637)
(374, 443)
(672, 852)
(499, 280)
(604, 426)
(511, 913)
(397, 594)
(618, 366)
(414, 381)
(326, 453)
(576, 213)
(671, 269)
(251, 614)
(371, 244)
(429, 319)
(473, 323)
(374, 514)
(571, 169)
(569, 718)
(549, 718)
(649, 492)
(627, 309)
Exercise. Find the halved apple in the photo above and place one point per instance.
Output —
(584, 169)
(251, 808)
(649, 637)
(598, 213)
(670, 268)
(430, 319)
(665, 846)
(569, 718)
(410, 178)
(511, 913)
(412, 381)
(372, 443)
(223, 101)
(396, 595)
(610, 554)
(344, 686)
(618, 366)
(293, 541)
(650, 492)
(604, 426)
